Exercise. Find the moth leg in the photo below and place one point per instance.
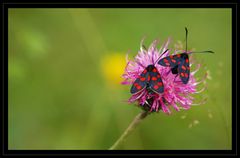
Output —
(175, 78)
(169, 72)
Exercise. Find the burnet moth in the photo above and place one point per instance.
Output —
(150, 79)
(179, 63)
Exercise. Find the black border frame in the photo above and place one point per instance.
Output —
(49, 4)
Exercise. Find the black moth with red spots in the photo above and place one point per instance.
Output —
(179, 64)
(150, 79)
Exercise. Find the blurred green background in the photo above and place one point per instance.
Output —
(65, 66)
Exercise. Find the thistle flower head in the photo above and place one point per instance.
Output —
(176, 93)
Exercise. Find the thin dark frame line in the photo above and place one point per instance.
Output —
(236, 80)
(119, 8)
(3, 115)
(115, 3)
(122, 154)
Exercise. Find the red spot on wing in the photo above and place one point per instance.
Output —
(182, 74)
(188, 68)
(174, 61)
(148, 78)
(142, 78)
(144, 71)
(186, 75)
(167, 64)
(183, 67)
(160, 84)
(165, 60)
(155, 87)
(187, 60)
(179, 55)
(154, 70)
(171, 56)
(154, 78)
(135, 84)
(138, 87)
(179, 62)
(158, 76)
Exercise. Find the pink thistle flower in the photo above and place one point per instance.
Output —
(176, 94)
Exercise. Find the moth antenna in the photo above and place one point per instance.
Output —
(161, 56)
(186, 36)
(207, 51)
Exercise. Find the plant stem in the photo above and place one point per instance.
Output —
(130, 128)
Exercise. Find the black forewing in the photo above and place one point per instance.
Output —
(140, 83)
(184, 70)
(170, 61)
(155, 83)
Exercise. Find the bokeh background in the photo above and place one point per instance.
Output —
(64, 72)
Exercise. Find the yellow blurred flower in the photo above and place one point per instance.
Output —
(112, 66)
